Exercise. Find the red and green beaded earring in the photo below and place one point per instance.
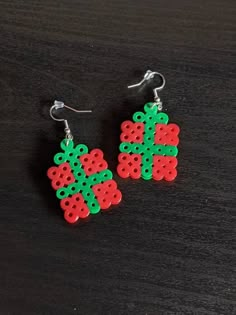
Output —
(149, 143)
(82, 180)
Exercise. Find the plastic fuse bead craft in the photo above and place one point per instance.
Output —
(149, 146)
(82, 181)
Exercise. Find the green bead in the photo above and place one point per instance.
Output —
(60, 158)
(125, 147)
(137, 148)
(75, 164)
(105, 175)
(81, 149)
(139, 117)
(148, 148)
(159, 149)
(147, 159)
(147, 177)
(87, 193)
(93, 206)
(161, 118)
(148, 139)
(83, 184)
(146, 172)
(67, 145)
(171, 150)
(150, 128)
(79, 174)
(94, 179)
(150, 119)
(150, 108)
(62, 193)
(74, 188)
(71, 155)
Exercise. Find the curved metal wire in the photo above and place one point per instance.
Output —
(150, 75)
(59, 104)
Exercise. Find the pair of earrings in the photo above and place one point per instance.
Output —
(82, 180)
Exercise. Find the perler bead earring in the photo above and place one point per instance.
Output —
(149, 143)
(82, 180)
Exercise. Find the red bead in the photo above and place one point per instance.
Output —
(116, 197)
(57, 183)
(110, 185)
(170, 174)
(98, 189)
(52, 172)
(96, 154)
(104, 202)
(174, 129)
(123, 170)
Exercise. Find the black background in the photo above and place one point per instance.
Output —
(168, 248)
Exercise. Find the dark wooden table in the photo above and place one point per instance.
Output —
(168, 248)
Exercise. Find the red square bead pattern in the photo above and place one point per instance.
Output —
(164, 167)
(167, 134)
(107, 194)
(93, 162)
(132, 132)
(61, 175)
(129, 165)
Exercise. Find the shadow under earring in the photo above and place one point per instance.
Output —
(149, 143)
(82, 180)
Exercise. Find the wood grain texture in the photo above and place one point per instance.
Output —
(168, 248)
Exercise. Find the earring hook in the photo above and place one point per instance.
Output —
(59, 105)
(150, 75)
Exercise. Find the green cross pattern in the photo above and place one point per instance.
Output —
(148, 148)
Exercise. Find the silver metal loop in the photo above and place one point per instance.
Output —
(150, 75)
(57, 105)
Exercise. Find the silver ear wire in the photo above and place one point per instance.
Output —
(58, 105)
(150, 75)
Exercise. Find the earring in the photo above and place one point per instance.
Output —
(149, 143)
(82, 180)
